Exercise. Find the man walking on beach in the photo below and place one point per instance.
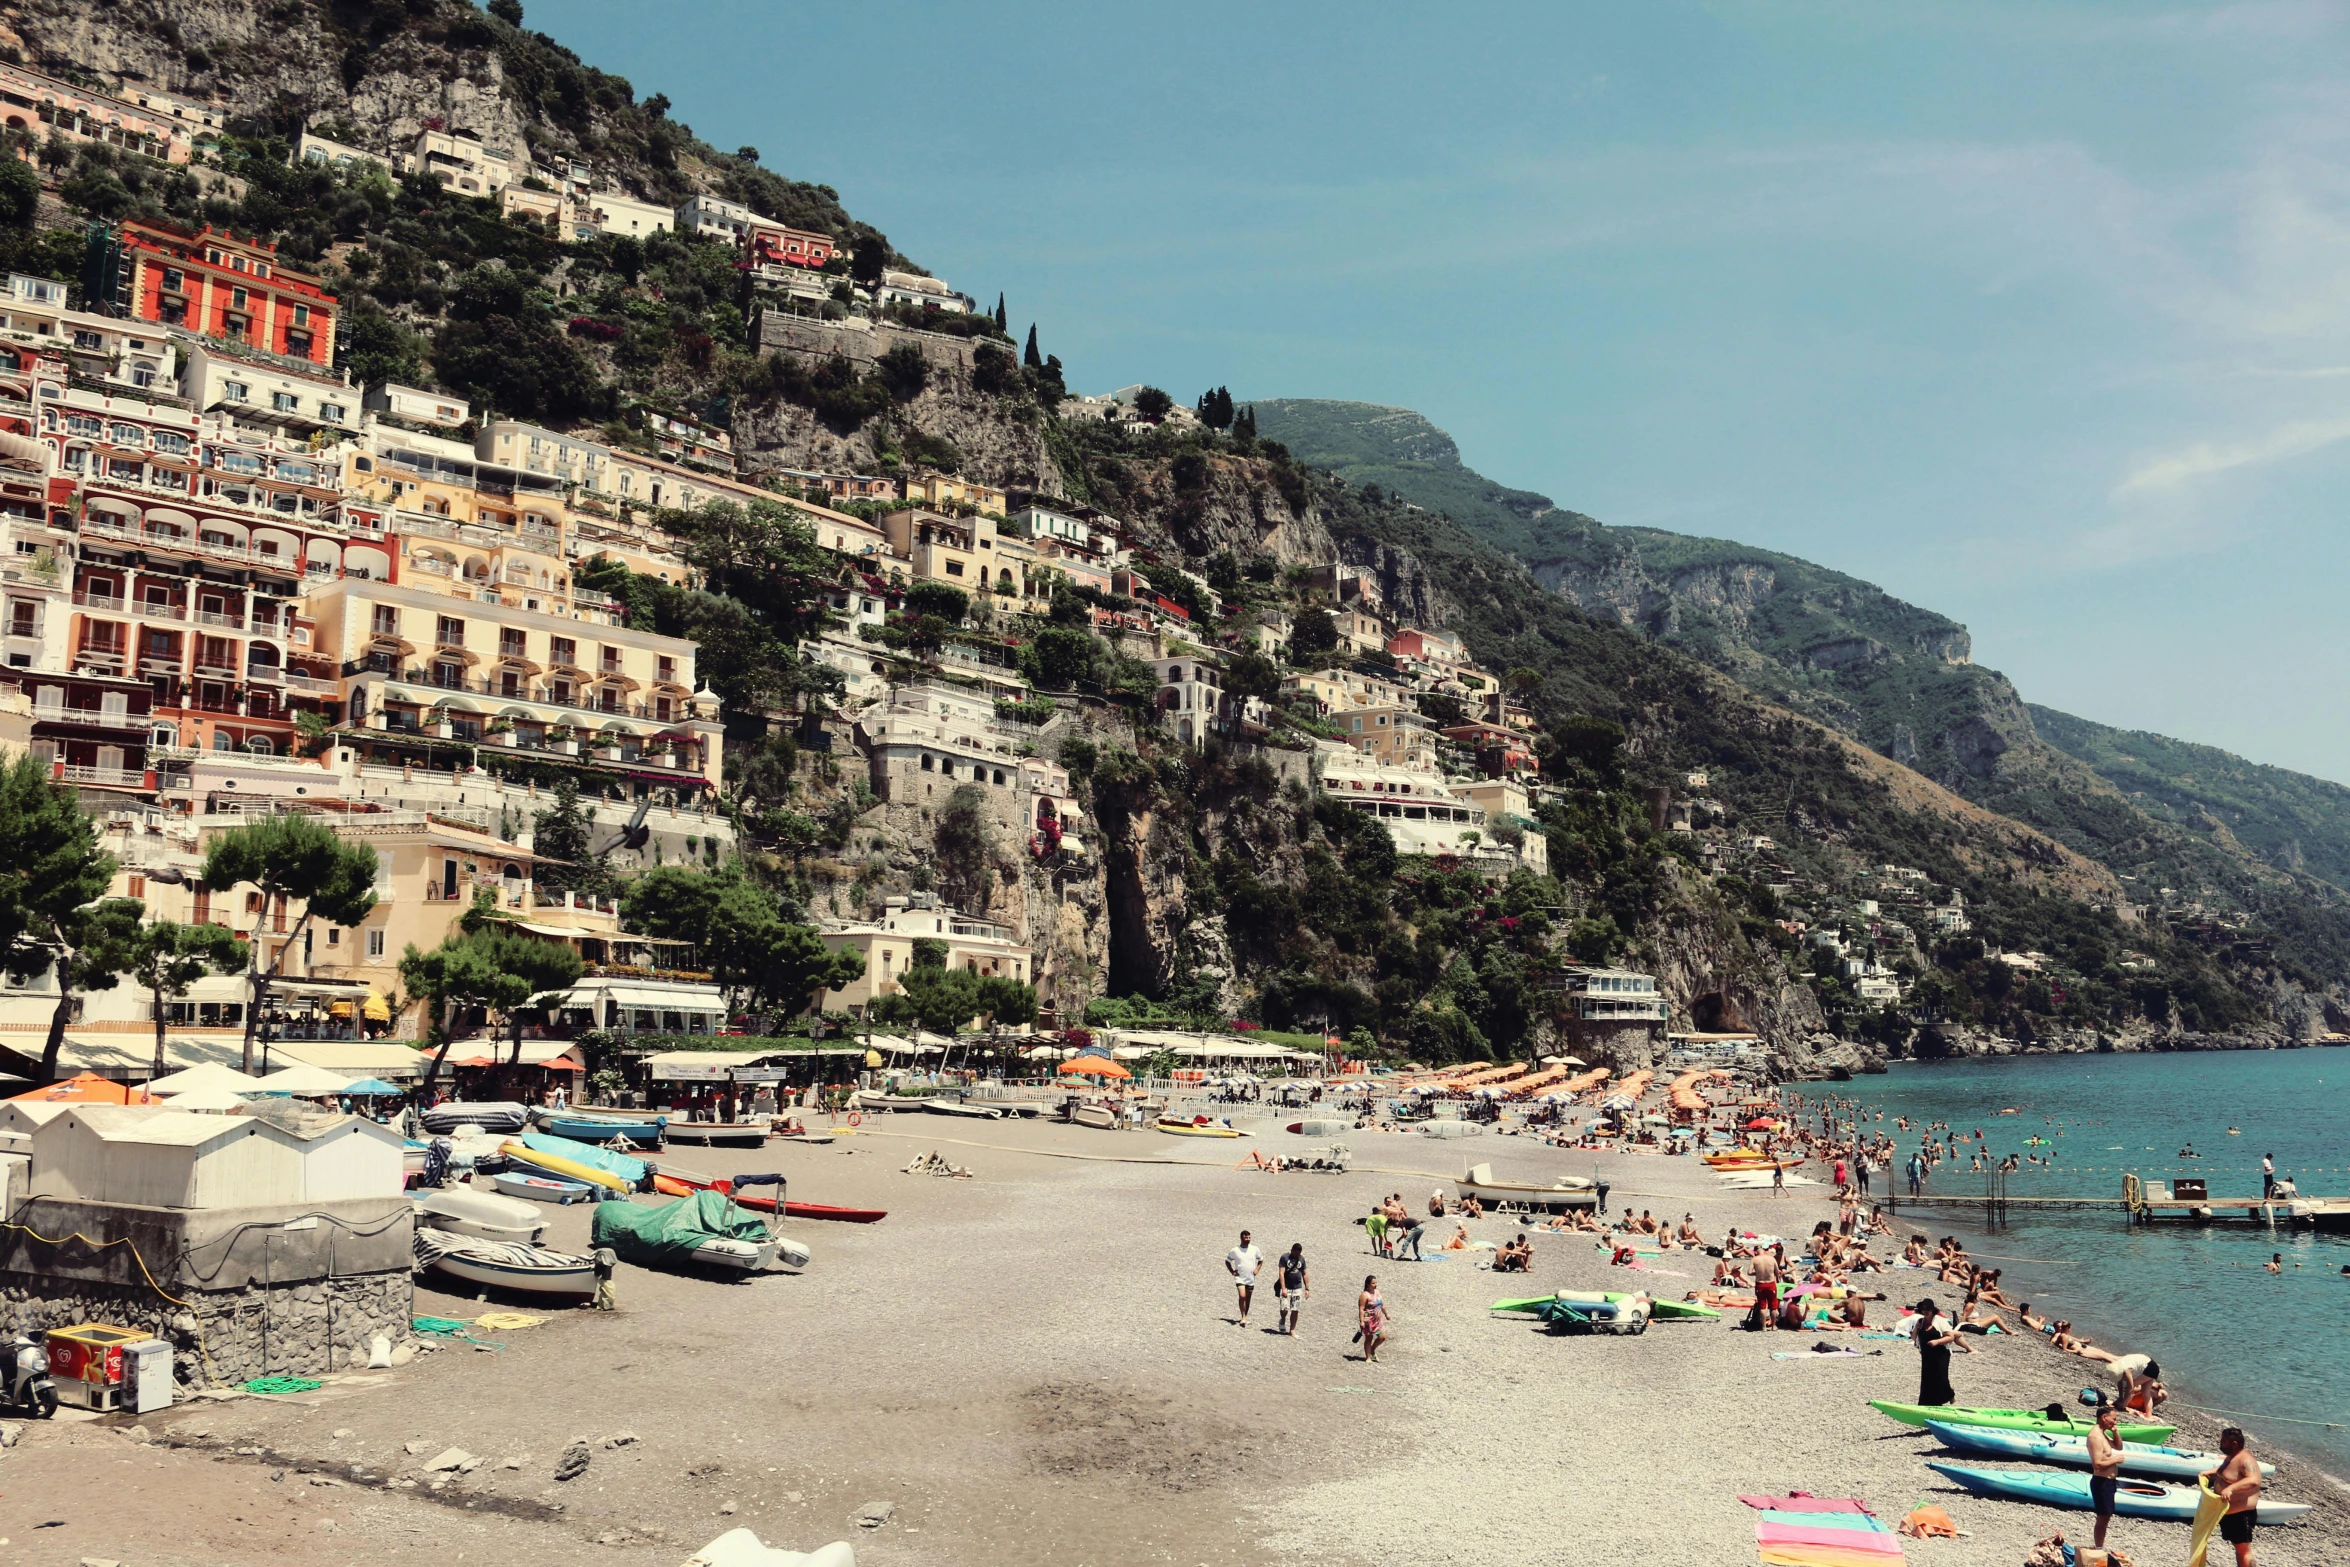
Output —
(2105, 1465)
(1291, 1285)
(1766, 1285)
(2237, 1482)
(1778, 1179)
(1242, 1262)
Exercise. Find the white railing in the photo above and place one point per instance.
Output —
(58, 713)
(113, 777)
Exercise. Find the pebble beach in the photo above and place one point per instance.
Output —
(1039, 1364)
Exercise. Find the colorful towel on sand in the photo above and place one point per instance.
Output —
(1802, 1502)
(1819, 1532)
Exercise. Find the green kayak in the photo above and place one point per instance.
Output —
(1657, 1308)
(2010, 1420)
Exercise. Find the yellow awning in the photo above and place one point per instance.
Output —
(378, 1010)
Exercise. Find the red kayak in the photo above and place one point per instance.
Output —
(677, 1184)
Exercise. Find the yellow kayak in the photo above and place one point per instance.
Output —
(1196, 1128)
(556, 1164)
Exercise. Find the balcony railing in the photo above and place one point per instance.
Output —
(111, 777)
(679, 714)
(53, 713)
(106, 525)
(206, 617)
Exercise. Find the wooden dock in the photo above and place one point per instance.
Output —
(2139, 1203)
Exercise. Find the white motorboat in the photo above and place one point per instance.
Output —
(463, 1211)
(505, 1265)
(871, 1099)
(1100, 1117)
(1568, 1191)
(970, 1112)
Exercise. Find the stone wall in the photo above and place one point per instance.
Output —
(862, 344)
(238, 1292)
(226, 1336)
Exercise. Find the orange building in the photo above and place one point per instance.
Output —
(217, 285)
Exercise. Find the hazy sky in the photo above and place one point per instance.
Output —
(2038, 315)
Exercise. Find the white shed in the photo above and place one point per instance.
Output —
(165, 1159)
(351, 1157)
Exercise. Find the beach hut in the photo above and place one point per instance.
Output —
(348, 1156)
(165, 1159)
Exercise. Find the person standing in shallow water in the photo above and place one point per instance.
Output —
(1936, 1335)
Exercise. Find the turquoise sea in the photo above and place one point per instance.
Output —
(2229, 1335)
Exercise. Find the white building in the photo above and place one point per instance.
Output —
(130, 353)
(922, 292)
(417, 405)
(611, 212)
(973, 942)
(252, 390)
(1423, 812)
(460, 159)
(342, 157)
(1613, 995)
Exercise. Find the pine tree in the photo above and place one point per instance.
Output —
(1032, 359)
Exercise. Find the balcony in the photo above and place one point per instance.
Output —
(679, 715)
(57, 713)
(206, 617)
(106, 777)
(107, 525)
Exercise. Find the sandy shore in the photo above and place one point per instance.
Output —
(1040, 1366)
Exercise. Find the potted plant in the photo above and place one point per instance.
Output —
(501, 732)
(608, 750)
(437, 722)
(563, 739)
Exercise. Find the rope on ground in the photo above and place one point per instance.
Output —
(283, 1385)
(203, 1350)
(2246, 1414)
(506, 1321)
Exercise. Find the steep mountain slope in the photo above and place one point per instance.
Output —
(1852, 747)
(2296, 822)
(1899, 679)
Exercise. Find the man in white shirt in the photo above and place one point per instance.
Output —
(1242, 1262)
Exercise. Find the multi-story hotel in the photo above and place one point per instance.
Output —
(213, 284)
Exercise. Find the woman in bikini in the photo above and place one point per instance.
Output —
(1371, 1317)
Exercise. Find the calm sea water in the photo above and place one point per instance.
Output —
(2228, 1334)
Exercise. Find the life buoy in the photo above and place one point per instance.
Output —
(856, 1119)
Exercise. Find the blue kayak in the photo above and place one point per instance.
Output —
(630, 1169)
(2133, 1499)
(592, 1129)
(2072, 1452)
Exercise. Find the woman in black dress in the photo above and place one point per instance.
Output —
(1935, 1334)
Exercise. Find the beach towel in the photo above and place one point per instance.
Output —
(1929, 1522)
(1823, 1534)
(2208, 1513)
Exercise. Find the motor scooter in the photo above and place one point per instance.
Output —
(24, 1376)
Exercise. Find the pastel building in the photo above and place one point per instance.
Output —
(212, 284)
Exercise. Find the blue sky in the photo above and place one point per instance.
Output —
(2036, 314)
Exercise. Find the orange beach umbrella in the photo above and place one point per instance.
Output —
(90, 1089)
(1094, 1066)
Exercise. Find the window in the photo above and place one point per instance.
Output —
(450, 632)
(285, 402)
(301, 315)
(332, 413)
(511, 642)
(236, 392)
(563, 651)
(386, 621)
(87, 339)
(174, 280)
(375, 943)
(236, 298)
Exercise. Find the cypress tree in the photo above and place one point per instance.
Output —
(1032, 359)
(1001, 320)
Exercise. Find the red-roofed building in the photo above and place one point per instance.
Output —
(1500, 752)
(216, 285)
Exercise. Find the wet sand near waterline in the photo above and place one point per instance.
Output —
(1039, 1366)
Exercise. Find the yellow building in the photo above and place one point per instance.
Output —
(944, 489)
(972, 942)
(596, 698)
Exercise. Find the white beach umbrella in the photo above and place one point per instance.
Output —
(210, 1074)
(209, 1101)
(305, 1081)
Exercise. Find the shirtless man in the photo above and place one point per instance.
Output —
(2237, 1480)
(2105, 1466)
(1767, 1266)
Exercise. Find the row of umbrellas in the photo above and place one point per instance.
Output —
(211, 1087)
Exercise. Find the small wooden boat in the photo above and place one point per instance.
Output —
(542, 1188)
(1100, 1117)
(599, 1130)
(1197, 1126)
(964, 1108)
(679, 1183)
(718, 1134)
(463, 1211)
(1568, 1191)
(505, 1265)
(871, 1100)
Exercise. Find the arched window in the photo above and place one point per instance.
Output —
(260, 745)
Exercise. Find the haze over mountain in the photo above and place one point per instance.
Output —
(1895, 676)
